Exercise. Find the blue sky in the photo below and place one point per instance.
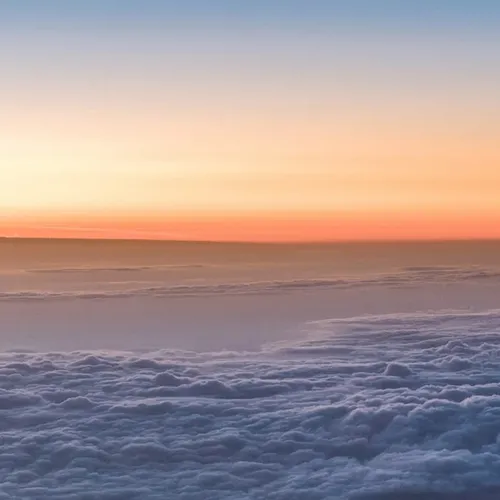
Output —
(420, 15)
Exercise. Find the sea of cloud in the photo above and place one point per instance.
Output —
(401, 406)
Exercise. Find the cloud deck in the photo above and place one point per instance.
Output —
(417, 414)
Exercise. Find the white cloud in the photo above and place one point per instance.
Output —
(379, 407)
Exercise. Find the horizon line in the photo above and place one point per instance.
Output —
(253, 242)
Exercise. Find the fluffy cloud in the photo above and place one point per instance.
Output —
(369, 408)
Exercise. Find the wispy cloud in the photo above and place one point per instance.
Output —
(406, 277)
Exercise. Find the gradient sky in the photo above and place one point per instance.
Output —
(257, 120)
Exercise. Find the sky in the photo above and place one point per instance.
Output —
(239, 120)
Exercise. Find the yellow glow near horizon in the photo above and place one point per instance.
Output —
(331, 168)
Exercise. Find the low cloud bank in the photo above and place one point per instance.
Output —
(400, 406)
(407, 277)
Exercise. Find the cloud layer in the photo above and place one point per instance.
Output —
(410, 276)
(369, 408)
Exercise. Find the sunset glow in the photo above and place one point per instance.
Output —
(167, 124)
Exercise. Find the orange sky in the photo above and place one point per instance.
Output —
(203, 134)
(316, 179)
(263, 227)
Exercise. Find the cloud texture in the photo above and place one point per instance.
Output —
(370, 408)
(406, 277)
